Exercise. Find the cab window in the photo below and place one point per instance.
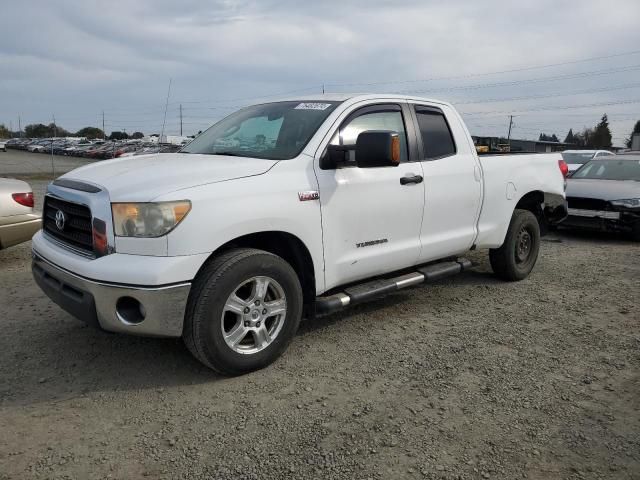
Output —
(371, 118)
(437, 140)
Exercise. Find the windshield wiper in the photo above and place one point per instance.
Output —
(227, 153)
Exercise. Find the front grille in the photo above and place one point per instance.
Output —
(587, 203)
(76, 231)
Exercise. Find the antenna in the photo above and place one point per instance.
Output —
(166, 105)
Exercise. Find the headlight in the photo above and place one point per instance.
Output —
(628, 203)
(148, 219)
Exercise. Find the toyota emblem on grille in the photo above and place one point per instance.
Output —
(60, 219)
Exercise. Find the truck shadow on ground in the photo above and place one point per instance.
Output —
(62, 359)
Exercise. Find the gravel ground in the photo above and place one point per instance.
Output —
(471, 378)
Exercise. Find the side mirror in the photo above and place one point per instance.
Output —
(377, 148)
(335, 155)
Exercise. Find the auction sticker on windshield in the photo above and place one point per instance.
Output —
(312, 106)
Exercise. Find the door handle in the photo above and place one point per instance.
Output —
(411, 179)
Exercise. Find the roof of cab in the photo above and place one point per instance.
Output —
(341, 97)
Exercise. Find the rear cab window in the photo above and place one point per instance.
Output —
(435, 133)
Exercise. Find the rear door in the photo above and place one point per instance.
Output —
(453, 182)
(370, 219)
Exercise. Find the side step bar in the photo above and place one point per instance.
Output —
(366, 291)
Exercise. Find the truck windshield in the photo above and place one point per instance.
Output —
(277, 131)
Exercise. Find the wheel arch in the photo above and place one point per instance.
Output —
(533, 202)
(287, 246)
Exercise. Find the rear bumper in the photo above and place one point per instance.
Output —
(114, 307)
(15, 233)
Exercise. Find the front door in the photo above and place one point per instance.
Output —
(370, 220)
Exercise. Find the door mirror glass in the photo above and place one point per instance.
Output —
(377, 148)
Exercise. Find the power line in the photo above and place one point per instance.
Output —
(242, 99)
(534, 97)
(569, 76)
(566, 107)
(499, 72)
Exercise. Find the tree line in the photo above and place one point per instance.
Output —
(40, 130)
(598, 137)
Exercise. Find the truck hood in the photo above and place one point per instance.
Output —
(145, 177)
(603, 189)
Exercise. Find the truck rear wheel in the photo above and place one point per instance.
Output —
(517, 256)
(244, 308)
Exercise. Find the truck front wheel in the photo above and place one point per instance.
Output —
(517, 256)
(244, 308)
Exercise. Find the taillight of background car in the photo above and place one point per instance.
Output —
(25, 199)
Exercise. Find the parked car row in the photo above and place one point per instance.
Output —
(97, 149)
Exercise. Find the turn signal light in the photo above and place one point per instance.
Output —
(100, 243)
(25, 199)
(395, 149)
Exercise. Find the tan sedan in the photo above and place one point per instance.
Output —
(18, 223)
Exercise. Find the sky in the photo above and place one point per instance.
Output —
(553, 65)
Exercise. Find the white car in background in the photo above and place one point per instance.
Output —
(3, 145)
(576, 158)
(36, 147)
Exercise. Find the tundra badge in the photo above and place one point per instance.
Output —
(310, 195)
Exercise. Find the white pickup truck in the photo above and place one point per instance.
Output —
(283, 210)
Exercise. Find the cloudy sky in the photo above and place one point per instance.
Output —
(554, 65)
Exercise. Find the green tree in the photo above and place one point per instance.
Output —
(584, 139)
(137, 135)
(90, 133)
(38, 130)
(548, 138)
(4, 131)
(636, 129)
(118, 136)
(570, 138)
(602, 134)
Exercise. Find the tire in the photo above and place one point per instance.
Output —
(215, 321)
(517, 256)
(635, 232)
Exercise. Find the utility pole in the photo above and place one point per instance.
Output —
(509, 134)
(19, 127)
(103, 132)
(11, 128)
(180, 119)
(166, 106)
(55, 133)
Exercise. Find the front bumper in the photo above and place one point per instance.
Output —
(603, 221)
(114, 307)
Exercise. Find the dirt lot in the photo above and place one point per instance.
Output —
(470, 378)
